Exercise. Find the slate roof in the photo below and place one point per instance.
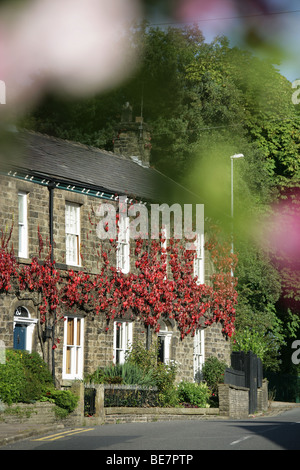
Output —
(75, 163)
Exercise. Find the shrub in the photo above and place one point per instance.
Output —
(25, 377)
(37, 377)
(164, 374)
(12, 378)
(64, 399)
(128, 374)
(35, 366)
(213, 373)
(142, 368)
(144, 358)
(194, 394)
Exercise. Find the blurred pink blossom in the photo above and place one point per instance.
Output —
(280, 232)
(190, 10)
(76, 46)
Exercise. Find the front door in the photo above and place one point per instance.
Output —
(20, 336)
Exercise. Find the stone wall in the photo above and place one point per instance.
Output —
(37, 413)
(263, 397)
(216, 344)
(233, 401)
(144, 415)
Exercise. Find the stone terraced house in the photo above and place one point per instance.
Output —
(53, 185)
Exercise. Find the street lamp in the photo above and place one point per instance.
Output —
(233, 157)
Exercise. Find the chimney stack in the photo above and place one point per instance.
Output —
(133, 139)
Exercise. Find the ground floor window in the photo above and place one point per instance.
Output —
(73, 348)
(198, 354)
(122, 340)
(164, 344)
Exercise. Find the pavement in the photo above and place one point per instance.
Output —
(10, 433)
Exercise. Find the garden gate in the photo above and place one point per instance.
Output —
(246, 371)
(89, 400)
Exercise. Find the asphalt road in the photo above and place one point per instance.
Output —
(180, 440)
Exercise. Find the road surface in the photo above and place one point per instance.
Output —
(180, 438)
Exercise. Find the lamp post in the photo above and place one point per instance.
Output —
(233, 157)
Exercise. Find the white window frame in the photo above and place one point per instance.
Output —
(72, 229)
(199, 270)
(164, 245)
(123, 246)
(75, 350)
(23, 224)
(122, 340)
(198, 354)
(166, 337)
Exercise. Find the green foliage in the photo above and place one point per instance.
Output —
(144, 358)
(142, 368)
(64, 399)
(35, 366)
(127, 373)
(189, 90)
(164, 375)
(25, 378)
(194, 394)
(260, 324)
(249, 340)
(12, 378)
(213, 373)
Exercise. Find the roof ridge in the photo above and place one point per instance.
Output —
(75, 144)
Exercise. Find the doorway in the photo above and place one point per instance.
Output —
(23, 329)
(20, 331)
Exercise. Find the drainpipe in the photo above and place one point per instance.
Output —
(51, 187)
(148, 344)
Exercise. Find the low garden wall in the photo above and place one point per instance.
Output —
(127, 415)
(36, 413)
(233, 403)
(234, 400)
(121, 414)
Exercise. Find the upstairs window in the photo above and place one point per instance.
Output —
(23, 225)
(199, 259)
(164, 247)
(72, 234)
(123, 247)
